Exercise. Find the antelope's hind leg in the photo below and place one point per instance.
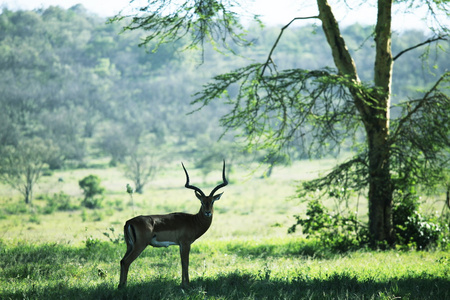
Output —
(134, 249)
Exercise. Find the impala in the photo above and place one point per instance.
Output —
(178, 228)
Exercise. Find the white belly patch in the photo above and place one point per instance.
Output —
(155, 243)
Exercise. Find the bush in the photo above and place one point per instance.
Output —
(91, 242)
(413, 229)
(92, 202)
(15, 208)
(91, 188)
(340, 234)
(61, 202)
(333, 231)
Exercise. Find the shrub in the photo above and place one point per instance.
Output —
(333, 231)
(91, 188)
(14, 208)
(60, 201)
(413, 229)
(91, 242)
(342, 233)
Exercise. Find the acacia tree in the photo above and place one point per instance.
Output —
(275, 108)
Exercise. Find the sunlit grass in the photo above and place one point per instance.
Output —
(251, 205)
(234, 269)
(246, 254)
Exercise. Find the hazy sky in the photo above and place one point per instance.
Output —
(273, 12)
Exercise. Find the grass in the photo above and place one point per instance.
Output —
(246, 254)
(283, 268)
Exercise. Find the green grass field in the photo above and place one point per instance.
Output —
(246, 254)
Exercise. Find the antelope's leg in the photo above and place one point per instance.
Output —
(134, 249)
(185, 248)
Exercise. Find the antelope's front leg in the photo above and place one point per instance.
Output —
(185, 248)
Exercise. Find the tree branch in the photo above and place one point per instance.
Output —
(269, 58)
(429, 41)
(341, 56)
(418, 106)
(383, 52)
(167, 21)
(353, 172)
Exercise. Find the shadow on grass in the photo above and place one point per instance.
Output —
(238, 285)
(32, 272)
(299, 248)
(337, 286)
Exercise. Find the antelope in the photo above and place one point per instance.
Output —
(177, 228)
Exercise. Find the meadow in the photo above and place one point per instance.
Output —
(246, 254)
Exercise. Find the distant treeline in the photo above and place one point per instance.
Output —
(70, 79)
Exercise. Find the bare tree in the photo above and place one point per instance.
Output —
(21, 166)
(140, 166)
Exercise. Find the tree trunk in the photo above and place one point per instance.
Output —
(377, 127)
(28, 186)
(374, 110)
(380, 186)
(28, 193)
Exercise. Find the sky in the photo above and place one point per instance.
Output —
(272, 14)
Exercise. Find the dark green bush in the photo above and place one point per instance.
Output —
(413, 229)
(343, 233)
(335, 232)
(91, 190)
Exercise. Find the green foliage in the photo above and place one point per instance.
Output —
(413, 229)
(113, 238)
(91, 243)
(69, 78)
(274, 109)
(14, 207)
(210, 20)
(91, 189)
(341, 234)
(110, 92)
(421, 139)
(334, 231)
(91, 186)
(58, 202)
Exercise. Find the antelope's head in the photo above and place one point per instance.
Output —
(207, 201)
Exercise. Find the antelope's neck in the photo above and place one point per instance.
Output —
(203, 222)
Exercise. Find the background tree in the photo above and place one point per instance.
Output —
(140, 166)
(325, 107)
(22, 165)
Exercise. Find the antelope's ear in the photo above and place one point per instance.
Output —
(199, 196)
(217, 197)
